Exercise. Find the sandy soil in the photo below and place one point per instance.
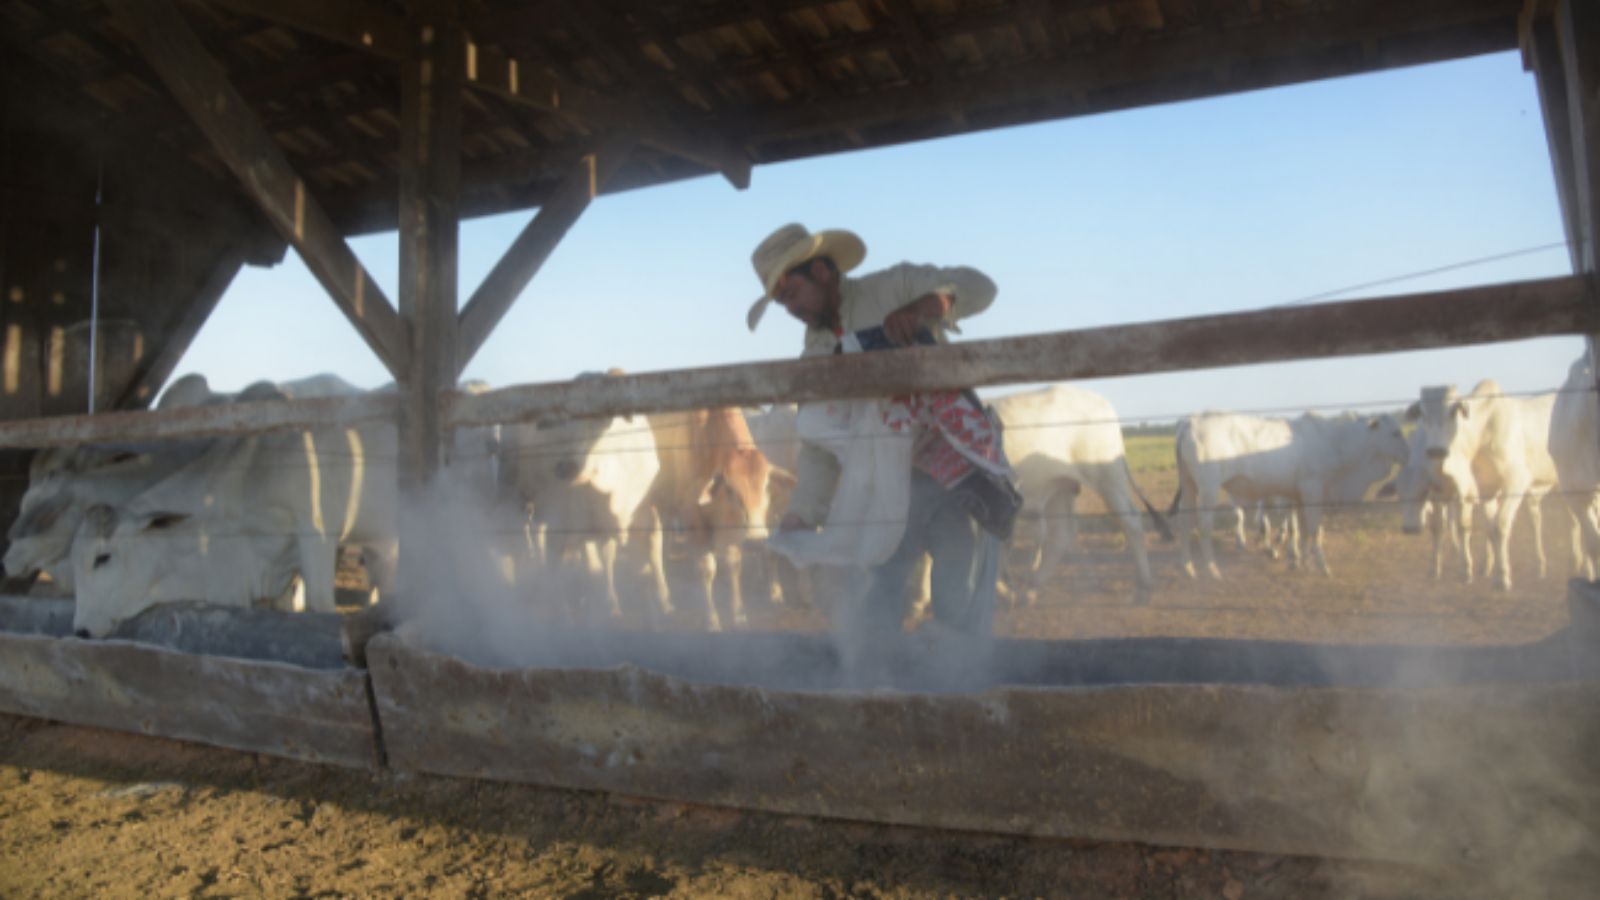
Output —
(93, 813)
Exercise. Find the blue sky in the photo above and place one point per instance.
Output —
(1234, 203)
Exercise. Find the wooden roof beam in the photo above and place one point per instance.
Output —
(493, 70)
(927, 56)
(1178, 57)
(799, 54)
(527, 254)
(200, 86)
(362, 24)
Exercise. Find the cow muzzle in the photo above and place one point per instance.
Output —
(567, 470)
(1437, 454)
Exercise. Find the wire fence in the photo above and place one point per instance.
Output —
(518, 445)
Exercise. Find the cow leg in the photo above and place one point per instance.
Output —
(733, 564)
(1239, 538)
(1491, 514)
(1535, 504)
(1118, 497)
(1435, 516)
(1183, 520)
(1058, 509)
(922, 592)
(658, 566)
(771, 577)
(1310, 516)
(319, 562)
(1464, 510)
(1206, 507)
(706, 566)
(1269, 535)
(1500, 527)
(608, 567)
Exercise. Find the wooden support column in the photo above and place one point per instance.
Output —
(430, 116)
(533, 246)
(201, 87)
(1577, 36)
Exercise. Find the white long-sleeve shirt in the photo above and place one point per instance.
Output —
(865, 302)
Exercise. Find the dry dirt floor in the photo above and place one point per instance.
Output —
(92, 813)
(89, 813)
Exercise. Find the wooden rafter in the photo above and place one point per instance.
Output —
(528, 84)
(1578, 34)
(1183, 61)
(359, 24)
(511, 275)
(200, 86)
(927, 56)
(430, 195)
(356, 23)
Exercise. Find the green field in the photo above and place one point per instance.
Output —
(1149, 453)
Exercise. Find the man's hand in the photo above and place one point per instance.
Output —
(793, 522)
(902, 325)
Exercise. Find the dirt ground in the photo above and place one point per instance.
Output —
(92, 813)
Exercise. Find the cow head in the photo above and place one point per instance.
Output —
(1439, 415)
(60, 484)
(115, 558)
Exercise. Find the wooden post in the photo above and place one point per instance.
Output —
(430, 182)
(430, 107)
(1577, 28)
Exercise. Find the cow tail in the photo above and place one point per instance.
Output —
(1155, 515)
(1177, 459)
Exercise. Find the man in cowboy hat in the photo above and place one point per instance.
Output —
(805, 273)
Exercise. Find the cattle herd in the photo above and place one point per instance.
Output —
(580, 503)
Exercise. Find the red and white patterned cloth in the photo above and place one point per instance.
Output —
(953, 435)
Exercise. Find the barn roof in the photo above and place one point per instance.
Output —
(707, 86)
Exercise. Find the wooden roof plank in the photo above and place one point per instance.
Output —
(200, 86)
(354, 23)
(519, 81)
(1182, 56)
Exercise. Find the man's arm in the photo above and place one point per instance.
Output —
(930, 295)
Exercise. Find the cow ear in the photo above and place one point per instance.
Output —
(1462, 411)
(160, 520)
(1388, 490)
(1373, 424)
(1413, 412)
(781, 477)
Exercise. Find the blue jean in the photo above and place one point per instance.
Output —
(965, 565)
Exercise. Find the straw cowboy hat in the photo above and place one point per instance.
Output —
(792, 245)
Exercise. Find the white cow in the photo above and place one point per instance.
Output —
(1059, 439)
(587, 481)
(1441, 502)
(1500, 443)
(63, 483)
(1575, 450)
(1310, 461)
(238, 523)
